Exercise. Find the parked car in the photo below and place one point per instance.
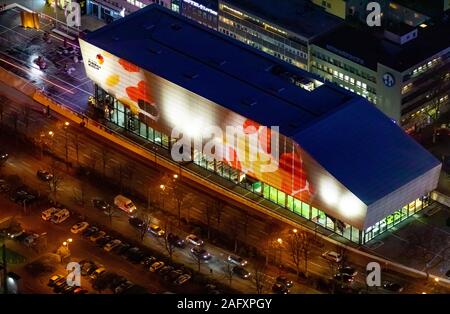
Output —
(48, 213)
(241, 272)
(98, 235)
(182, 279)
(3, 156)
(68, 289)
(103, 241)
(200, 253)
(332, 256)
(136, 222)
(284, 281)
(100, 204)
(124, 204)
(111, 245)
(193, 239)
(97, 272)
(30, 240)
(90, 231)
(349, 270)
(341, 277)
(122, 249)
(148, 260)
(60, 284)
(175, 240)
(173, 275)
(123, 287)
(88, 268)
(279, 288)
(53, 279)
(60, 216)
(156, 266)
(44, 175)
(236, 260)
(79, 290)
(135, 255)
(392, 286)
(79, 227)
(165, 270)
(156, 230)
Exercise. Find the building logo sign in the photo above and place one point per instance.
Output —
(99, 60)
(388, 80)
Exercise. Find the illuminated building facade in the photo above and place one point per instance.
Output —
(333, 168)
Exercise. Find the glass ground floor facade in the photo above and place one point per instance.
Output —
(117, 113)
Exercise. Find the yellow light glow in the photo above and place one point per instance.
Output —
(329, 191)
(423, 25)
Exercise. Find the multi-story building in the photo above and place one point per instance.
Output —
(283, 30)
(349, 9)
(204, 12)
(404, 71)
(320, 162)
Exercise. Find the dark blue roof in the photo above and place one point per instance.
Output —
(343, 132)
(365, 150)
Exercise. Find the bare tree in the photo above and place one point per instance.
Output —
(26, 112)
(128, 172)
(105, 156)
(2, 108)
(208, 216)
(218, 206)
(14, 119)
(168, 245)
(76, 145)
(228, 272)
(56, 180)
(146, 218)
(295, 244)
(259, 276)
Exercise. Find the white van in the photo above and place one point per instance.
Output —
(124, 204)
(60, 216)
(48, 213)
(332, 256)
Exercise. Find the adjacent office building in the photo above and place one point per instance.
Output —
(354, 178)
(404, 71)
(283, 30)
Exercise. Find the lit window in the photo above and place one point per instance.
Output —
(346, 78)
(352, 81)
(364, 85)
(358, 83)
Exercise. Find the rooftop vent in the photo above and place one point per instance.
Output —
(191, 75)
(276, 89)
(249, 101)
(154, 50)
(175, 27)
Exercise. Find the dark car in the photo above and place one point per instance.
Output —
(165, 270)
(148, 260)
(103, 241)
(279, 288)
(173, 275)
(135, 255)
(284, 281)
(79, 290)
(68, 289)
(200, 253)
(123, 287)
(117, 281)
(136, 222)
(3, 156)
(342, 277)
(122, 249)
(392, 286)
(175, 240)
(44, 175)
(241, 272)
(88, 268)
(90, 231)
(100, 204)
(349, 270)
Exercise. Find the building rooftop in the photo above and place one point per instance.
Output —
(301, 17)
(371, 48)
(347, 135)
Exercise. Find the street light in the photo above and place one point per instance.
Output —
(295, 230)
(175, 176)
(51, 133)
